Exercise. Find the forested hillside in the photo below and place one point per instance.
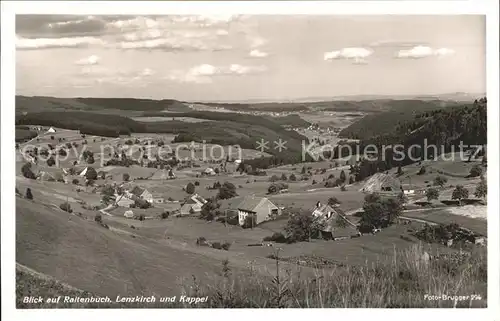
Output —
(445, 128)
(397, 112)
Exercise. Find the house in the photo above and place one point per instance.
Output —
(209, 171)
(51, 130)
(123, 200)
(261, 208)
(128, 214)
(142, 193)
(84, 171)
(193, 205)
(323, 210)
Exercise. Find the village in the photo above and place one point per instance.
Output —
(174, 191)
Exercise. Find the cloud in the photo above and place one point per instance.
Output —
(204, 73)
(90, 60)
(44, 43)
(258, 54)
(146, 72)
(418, 52)
(357, 55)
(172, 33)
(257, 41)
(172, 44)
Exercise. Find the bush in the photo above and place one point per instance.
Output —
(476, 171)
(432, 194)
(66, 207)
(26, 170)
(29, 195)
(51, 162)
(196, 183)
(274, 178)
(226, 191)
(201, 241)
(459, 193)
(126, 177)
(190, 188)
(91, 174)
(292, 177)
(421, 171)
(165, 215)
(276, 187)
(276, 237)
(98, 218)
(333, 201)
(481, 189)
(226, 246)
(440, 181)
(140, 203)
(217, 245)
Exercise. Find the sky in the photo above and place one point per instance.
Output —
(239, 57)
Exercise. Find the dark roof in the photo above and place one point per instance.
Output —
(249, 203)
(137, 191)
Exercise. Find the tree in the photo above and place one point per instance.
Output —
(98, 218)
(440, 181)
(75, 181)
(421, 171)
(293, 178)
(400, 171)
(90, 159)
(51, 162)
(276, 187)
(476, 171)
(332, 201)
(91, 174)
(190, 188)
(459, 193)
(108, 191)
(216, 170)
(26, 170)
(340, 222)
(66, 207)
(208, 210)
(126, 177)
(343, 176)
(351, 180)
(302, 226)
(484, 161)
(432, 194)
(274, 178)
(226, 191)
(481, 189)
(29, 195)
(380, 212)
(283, 177)
(196, 183)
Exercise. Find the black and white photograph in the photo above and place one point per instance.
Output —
(249, 159)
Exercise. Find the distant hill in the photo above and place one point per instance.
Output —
(109, 105)
(366, 104)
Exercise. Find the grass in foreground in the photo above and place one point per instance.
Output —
(402, 282)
